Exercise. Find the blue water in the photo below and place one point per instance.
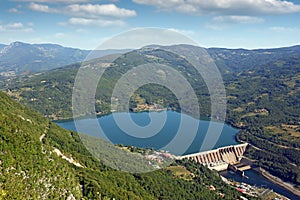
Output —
(256, 179)
(144, 137)
(171, 136)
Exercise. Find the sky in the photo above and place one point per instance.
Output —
(85, 24)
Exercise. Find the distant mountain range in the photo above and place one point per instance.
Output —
(19, 57)
(243, 59)
(2, 45)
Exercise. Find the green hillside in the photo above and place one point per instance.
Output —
(30, 167)
(262, 89)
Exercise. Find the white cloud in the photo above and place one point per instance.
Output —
(220, 23)
(30, 24)
(95, 22)
(59, 35)
(94, 10)
(15, 27)
(86, 10)
(225, 7)
(216, 27)
(284, 29)
(81, 30)
(183, 31)
(161, 4)
(238, 19)
(13, 10)
(89, 14)
(140, 37)
(41, 8)
(55, 1)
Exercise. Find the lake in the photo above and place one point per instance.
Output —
(112, 132)
(183, 139)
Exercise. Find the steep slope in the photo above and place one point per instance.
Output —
(39, 160)
(28, 168)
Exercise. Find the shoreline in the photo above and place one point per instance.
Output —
(286, 185)
(98, 115)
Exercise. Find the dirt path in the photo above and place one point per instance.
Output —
(70, 160)
(57, 151)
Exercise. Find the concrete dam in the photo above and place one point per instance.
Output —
(219, 159)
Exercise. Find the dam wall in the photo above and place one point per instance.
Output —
(219, 159)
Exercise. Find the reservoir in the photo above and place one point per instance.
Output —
(170, 128)
(160, 140)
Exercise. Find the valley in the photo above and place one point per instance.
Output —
(262, 97)
(150, 100)
(38, 164)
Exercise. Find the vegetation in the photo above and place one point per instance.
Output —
(30, 168)
(262, 97)
(267, 109)
(26, 170)
(51, 92)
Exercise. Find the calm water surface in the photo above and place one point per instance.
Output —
(160, 140)
(256, 179)
(169, 130)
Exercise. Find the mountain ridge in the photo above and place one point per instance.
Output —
(154, 45)
(19, 57)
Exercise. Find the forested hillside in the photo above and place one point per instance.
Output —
(28, 168)
(31, 168)
(262, 89)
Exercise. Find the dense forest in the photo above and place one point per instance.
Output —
(262, 88)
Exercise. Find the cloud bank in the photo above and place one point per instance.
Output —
(87, 10)
(224, 7)
(109, 10)
(16, 27)
(55, 1)
(88, 14)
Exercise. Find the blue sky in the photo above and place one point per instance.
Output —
(214, 23)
